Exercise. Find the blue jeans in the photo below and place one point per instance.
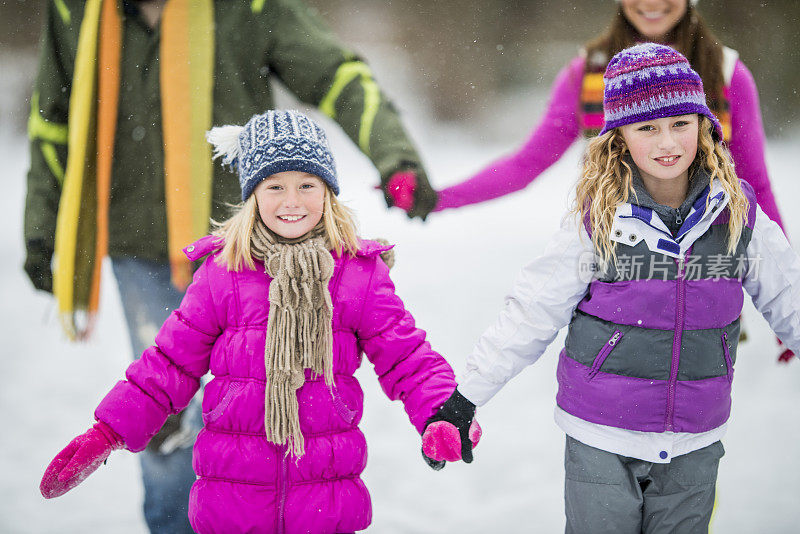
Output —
(148, 298)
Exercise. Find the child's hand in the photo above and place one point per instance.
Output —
(786, 354)
(78, 460)
(452, 433)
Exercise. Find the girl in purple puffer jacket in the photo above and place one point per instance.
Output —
(280, 313)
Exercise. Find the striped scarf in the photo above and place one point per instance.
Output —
(187, 63)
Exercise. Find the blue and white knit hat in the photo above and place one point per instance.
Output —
(651, 81)
(273, 142)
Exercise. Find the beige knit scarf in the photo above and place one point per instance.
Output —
(299, 333)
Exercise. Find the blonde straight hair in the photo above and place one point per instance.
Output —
(607, 181)
(338, 222)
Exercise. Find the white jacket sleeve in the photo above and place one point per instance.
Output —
(541, 302)
(772, 280)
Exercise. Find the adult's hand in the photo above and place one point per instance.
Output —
(37, 265)
(410, 191)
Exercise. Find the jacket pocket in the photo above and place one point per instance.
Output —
(727, 352)
(610, 345)
(344, 411)
(213, 415)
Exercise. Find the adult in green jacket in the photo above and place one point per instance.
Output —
(254, 42)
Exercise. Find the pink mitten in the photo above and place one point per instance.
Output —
(442, 441)
(79, 459)
(401, 187)
(786, 354)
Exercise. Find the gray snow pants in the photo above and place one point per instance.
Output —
(609, 493)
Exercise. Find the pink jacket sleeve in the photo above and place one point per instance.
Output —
(407, 367)
(747, 139)
(165, 378)
(554, 134)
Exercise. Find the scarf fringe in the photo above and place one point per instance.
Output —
(282, 417)
(299, 327)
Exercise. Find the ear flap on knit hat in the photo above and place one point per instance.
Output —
(225, 140)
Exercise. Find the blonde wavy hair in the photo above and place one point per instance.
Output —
(607, 181)
(338, 221)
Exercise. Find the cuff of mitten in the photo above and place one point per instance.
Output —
(114, 439)
(461, 404)
(457, 410)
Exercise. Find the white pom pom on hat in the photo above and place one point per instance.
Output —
(225, 140)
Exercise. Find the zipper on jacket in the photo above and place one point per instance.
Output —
(676, 347)
(726, 351)
(282, 488)
(603, 354)
(678, 218)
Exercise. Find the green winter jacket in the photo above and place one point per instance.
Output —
(256, 41)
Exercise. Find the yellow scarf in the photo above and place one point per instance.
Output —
(186, 67)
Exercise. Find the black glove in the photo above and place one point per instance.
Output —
(37, 265)
(454, 438)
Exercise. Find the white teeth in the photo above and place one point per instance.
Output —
(652, 14)
(669, 159)
(290, 218)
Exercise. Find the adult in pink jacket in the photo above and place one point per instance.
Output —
(576, 103)
(280, 450)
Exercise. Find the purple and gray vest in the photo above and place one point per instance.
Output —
(651, 347)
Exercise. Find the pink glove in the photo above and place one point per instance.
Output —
(442, 441)
(79, 459)
(410, 190)
(786, 355)
(400, 188)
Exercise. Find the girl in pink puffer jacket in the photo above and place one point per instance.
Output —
(280, 313)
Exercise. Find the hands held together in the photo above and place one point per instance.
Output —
(452, 433)
(410, 191)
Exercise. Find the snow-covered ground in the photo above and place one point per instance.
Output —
(453, 273)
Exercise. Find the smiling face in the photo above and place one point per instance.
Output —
(291, 202)
(654, 19)
(663, 149)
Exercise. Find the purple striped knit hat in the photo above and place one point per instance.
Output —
(651, 81)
